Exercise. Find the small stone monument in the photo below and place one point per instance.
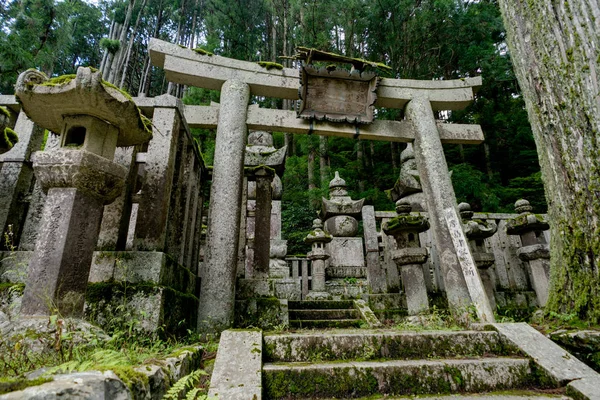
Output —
(535, 250)
(346, 271)
(93, 119)
(409, 255)
(317, 238)
(477, 231)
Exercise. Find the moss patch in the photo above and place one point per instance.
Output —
(9, 138)
(4, 111)
(203, 52)
(270, 65)
(8, 385)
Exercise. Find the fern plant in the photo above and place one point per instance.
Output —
(186, 385)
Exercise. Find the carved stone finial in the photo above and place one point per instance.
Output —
(403, 207)
(465, 211)
(522, 206)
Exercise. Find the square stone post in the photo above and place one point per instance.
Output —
(461, 278)
(151, 230)
(217, 294)
(16, 175)
(262, 224)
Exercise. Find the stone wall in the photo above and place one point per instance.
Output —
(150, 237)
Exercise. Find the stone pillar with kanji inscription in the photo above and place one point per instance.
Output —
(93, 119)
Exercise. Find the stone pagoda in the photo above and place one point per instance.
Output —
(93, 118)
(346, 271)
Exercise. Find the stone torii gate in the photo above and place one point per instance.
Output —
(238, 79)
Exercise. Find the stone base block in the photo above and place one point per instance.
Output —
(342, 289)
(254, 288)
(346, 252)
(290, 289)
(517, 300)
(263, 313)
(332, 272)
(318, 296)
(149, 308)
(142, 267)
(107, 266)
(387, 301)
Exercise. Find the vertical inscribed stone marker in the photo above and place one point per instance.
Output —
(217, 293)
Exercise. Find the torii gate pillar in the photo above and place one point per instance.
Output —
(217, 293)
(460, 275)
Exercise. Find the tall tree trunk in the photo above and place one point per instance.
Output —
(323, 161)
(394, 154)
(120, 54)
(555, 47)
(361, 165)
(311, 172)
(123, 72)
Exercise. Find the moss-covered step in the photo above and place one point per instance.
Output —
(383, 344)
(501, 395)
(326, 323)
(395, 377)
(320, 304)
(324, 314)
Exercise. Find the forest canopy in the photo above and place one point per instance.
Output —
(418, 39)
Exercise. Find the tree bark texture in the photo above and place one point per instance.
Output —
(555, 50)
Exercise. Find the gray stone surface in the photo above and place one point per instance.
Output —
(414, 286)
(375, 272)
(217, 294)
(159, 168)
(558, 364)
(585, 389)
(237, 371)
(16, 174)
(346, 252)
(59, 270)
(90, 385)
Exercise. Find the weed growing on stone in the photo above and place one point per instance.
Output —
(439, 319)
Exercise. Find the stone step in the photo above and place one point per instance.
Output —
(320, 304)
(511, 395)
(326, 323)
(324, 314)
(394, 377)
(383, 344)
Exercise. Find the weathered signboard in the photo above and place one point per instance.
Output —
(337, 95)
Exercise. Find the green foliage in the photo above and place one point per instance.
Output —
(186, 385)
(9, 138)
(112, 46)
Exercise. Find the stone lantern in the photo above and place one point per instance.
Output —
(476, 232)
(410, 256)
(92, 118)
(317, 238)
(535, 250)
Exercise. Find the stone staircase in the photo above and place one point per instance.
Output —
(324, 314)
(352, 363)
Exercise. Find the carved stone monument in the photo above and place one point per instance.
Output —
(93, 118)
(346, 270)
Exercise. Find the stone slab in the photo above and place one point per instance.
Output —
(185, 66)
(286, 121)
(237, 371)
(585, 389)
(560, 366)
(346, 252)
(80, 385)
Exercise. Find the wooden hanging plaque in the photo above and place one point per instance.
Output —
(338, 95)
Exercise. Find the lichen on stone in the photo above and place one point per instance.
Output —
(4, 111)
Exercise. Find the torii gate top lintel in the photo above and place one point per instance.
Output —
(185, 66)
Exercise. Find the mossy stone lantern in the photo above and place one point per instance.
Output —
(93, 118)
(409, 255)
(318, 238)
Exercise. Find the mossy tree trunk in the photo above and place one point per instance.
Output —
(555, 50)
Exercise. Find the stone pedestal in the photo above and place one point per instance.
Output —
(317, 238)
(78, 183)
